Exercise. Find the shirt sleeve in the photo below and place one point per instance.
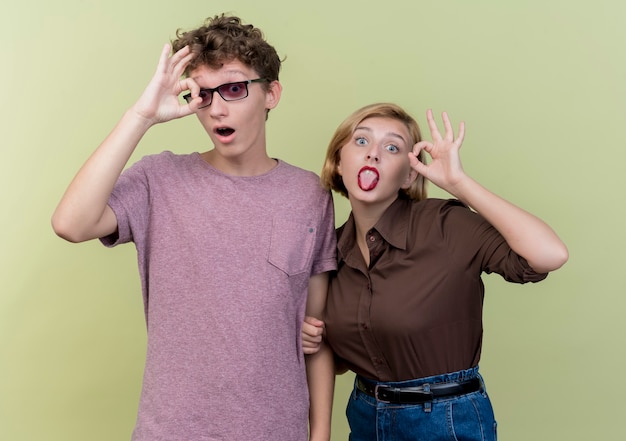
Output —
(325, 258)
(471, 237)
(130, 201)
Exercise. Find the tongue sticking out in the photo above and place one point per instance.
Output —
(368, 179)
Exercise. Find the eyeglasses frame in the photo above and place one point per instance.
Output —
(187, 97)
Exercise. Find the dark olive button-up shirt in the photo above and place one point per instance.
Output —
(417, 310)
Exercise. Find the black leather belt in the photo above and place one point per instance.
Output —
(417, 394)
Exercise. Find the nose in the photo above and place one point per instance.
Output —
(217, 106)
(372, 154)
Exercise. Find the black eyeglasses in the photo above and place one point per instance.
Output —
(228, 92)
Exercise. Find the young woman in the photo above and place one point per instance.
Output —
(404, 309)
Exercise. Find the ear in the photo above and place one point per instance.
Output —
(272, 97)
(409, 179)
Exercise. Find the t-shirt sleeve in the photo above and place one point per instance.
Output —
(129, 201)
(471, 236)
(325, 257)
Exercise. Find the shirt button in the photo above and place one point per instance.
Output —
(372, 239)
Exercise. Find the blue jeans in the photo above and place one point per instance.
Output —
(466, 417)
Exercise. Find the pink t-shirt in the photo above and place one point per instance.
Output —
(224, 264)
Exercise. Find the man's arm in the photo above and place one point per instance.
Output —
(319, 366)
(83, 212)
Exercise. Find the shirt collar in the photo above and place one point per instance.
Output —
(393, 226)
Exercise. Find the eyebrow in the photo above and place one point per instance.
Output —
(392, 134)
(228, 72)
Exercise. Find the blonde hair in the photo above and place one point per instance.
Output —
(331, 180)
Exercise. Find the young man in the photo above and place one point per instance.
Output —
(229, 243)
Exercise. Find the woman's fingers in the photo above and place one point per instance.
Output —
(432, 126)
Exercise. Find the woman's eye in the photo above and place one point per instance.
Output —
(392, 148)
(360, 141)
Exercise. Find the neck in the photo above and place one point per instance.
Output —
(238, 165)
(366, 216)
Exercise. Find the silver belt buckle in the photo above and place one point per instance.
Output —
(378, 398)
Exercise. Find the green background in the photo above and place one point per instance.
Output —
(539, 83)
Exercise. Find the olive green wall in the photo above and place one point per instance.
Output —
(540, 84)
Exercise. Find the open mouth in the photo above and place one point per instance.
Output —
(368, 178)
(224, 131)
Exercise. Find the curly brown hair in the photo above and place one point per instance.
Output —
(225, 38)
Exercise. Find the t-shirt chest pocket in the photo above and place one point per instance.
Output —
(291, 245)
